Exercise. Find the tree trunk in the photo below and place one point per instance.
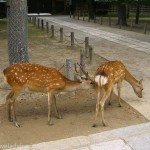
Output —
(137, 14)
(91, 9)
(128, 11)
(122, 15)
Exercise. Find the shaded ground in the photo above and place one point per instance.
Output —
(78, 111)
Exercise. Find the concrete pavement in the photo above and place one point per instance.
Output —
(136, 137)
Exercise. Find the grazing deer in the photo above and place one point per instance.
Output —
(106, 76)
(38, 78)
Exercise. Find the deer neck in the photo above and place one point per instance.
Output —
(72, 85)
(130, 79)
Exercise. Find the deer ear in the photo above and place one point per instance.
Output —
(140, 82)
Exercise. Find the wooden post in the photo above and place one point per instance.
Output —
(34, 19)
(69, 69)
(74, 14)
(38, 23)
(72, 39)
(120, 25)
(94, 18)
(88, 17)
(82, 60)
(131, 25)
(101, 20)
(109, 21)
(47, 27)
(30, 19)
(78, 14)
(70, 14)
(70, 73)
(52, 30)
(61, 34)
(42, 24)
(145, 28)
(90, 54)
(83, 16)
(86, 45)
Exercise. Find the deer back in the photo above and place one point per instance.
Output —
(112, 71)
(35, 77)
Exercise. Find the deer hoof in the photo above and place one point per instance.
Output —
(50, 123)
(104, 124)
(17, 124)
(94, 125)
(59, 117)
(10, 119)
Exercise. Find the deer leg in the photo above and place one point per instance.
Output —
(50, 96)
(119, 93)
(97, 105)
(102, 103)
(12, 109)
(8, 97)
(110, 97)
(56, 109)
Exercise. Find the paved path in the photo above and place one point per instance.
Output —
(120, 39)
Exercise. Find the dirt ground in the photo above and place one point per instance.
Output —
(77, 110)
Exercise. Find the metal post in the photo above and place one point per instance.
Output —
(82, 60)
(17, 31)
(72, 39)
(52, 30)
(61, 34)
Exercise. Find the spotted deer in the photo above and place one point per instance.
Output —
(106, 76)
(38, 78)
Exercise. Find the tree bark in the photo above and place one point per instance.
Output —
(137, 14)
(91, 9)
(122, 15)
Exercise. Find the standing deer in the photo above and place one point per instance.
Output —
(38, 78)
(106, 76)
